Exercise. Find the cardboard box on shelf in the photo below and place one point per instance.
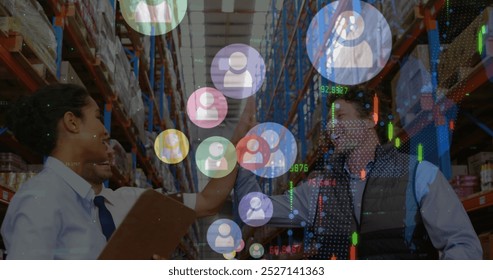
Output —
(120, 158)
(88, 16)
(29, 20)
(461, 53)
(68, 75)
(401, 14)
(474, 162)
(14, 180)
(487, 176)
(106, 10)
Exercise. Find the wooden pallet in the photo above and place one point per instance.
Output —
(77, 25)
(30, 57)
(109, 75)
(409, 21)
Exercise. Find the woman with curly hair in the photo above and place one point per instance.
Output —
(52, 216)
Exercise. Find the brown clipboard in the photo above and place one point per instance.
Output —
(155, 225)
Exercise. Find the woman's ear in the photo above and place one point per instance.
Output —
(71, 122)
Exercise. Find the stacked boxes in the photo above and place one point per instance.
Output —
(107, 40)
(68, 75)
(461, 55)
(13, 171)
(87, 11)
(14, 181)
(29, 19)
(99, 20)
(487, 176)
(125, 81)
(11, 163)
(120, 160)
(475, 162)
(399, 14)
(137, 114)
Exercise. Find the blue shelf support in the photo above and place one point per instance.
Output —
(161, 92)
(134, 59)
(107, 124)
(112, 3)
(442, 135)
(299, 85)
(134, 158)
(107, 117)
(58, 29)
(152, 60)
(286, 74)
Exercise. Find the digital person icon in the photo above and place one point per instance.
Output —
(224, 238)
(355, 45)
(252, 154)
(255, 212)
(255, 209)
(207, 107)
(238, 75)
(277, 158)
(256, 250)
(216, 157)
(216, 160)
(153, 11)
(206, 110)
(171, 146)
(349, 50)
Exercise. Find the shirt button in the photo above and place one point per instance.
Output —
(94, 221)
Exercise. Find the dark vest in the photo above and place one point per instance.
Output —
(390, 225)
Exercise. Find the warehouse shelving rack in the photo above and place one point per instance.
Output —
(283, 47)
(70, 34)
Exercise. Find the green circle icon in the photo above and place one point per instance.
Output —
(216, 157)
(153, 17)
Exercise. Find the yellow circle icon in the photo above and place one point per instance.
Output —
(171, 146)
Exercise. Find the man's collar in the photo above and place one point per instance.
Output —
(108, 194)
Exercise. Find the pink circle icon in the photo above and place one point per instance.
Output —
(207, 107)
(253, 152)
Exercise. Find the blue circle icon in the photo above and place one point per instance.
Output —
(255, 209)
(349, 42)
(238, 71)
(283, 149)
(224, 236)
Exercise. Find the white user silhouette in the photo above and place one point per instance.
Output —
(224, 239)
(160, 13)
(350, 26)
(206, 110)
(255, 212)
(238, 62)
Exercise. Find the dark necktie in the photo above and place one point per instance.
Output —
(105, 218)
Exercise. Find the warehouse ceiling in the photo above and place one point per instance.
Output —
(207, 28)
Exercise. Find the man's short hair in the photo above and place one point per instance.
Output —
(363, 99)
